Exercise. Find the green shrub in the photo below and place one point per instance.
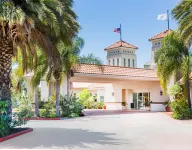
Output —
(6, 122)
(42, 113)
(175, 90)
(180, 109)
(3, 107)
(89, 101)
(48, 108)
(99, 105)
(4, 125)
(52, 113)
(73, 115)
(72, 108)
(24, 105)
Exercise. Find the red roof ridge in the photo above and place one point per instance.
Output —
(115, 71)
(121, 43)
(116, 66)
(160, 35)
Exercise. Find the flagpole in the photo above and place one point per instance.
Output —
(120, 33)
(168, 18)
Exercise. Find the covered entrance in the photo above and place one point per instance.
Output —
(141, 100)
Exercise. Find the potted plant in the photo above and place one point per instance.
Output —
(167, 106)
(123, 105)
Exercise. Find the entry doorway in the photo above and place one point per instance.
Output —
(141, 100)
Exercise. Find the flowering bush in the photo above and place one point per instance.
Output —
(180, 109)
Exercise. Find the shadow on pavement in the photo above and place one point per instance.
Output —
(61, 138)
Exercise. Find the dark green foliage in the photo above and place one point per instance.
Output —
(6, 122)
(4, 125)
(180, 109)
(72, 108)
(3, 106)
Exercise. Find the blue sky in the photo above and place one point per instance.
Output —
(98, 18)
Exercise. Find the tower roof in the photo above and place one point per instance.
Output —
(160, 35)
(121, 44)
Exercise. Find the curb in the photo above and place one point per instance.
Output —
(42, 119)
(15, 135)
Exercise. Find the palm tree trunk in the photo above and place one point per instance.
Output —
(188, 93)
(6, 53)
(36, 102)
(68, 86)
(57, 98)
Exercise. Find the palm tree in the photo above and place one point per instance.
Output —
(70, 56)
(173, 59)
(25, 24)
(182, 13)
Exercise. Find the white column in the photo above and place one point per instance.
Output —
(30, 89)
(44, 91)
(63, 88)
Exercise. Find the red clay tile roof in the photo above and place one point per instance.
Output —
(115, 71)
(160, 35)
(121, 44)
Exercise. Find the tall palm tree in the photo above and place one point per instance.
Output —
(70, 56)
(173, 59)
(182, 13)
(24, 24)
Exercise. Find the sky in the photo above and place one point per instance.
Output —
(99, 18)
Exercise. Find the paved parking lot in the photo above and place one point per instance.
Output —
(131, 131)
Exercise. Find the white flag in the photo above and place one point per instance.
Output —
(162, 17)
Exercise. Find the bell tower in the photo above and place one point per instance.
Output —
(122, 54)
(156, 42)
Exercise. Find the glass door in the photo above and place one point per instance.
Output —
(141, 100)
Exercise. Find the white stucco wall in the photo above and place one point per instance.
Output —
(114, 101)
(100, 92)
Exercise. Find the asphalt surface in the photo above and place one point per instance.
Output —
(131, 131)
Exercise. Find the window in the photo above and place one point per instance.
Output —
(124, 62)
(117, 61)
(113, 62)
(133, 63)
(109, 62)
(128, 62)
(155, 43)
(101, 98)
(159, 43)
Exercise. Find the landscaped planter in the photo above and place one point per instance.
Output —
(16, 132)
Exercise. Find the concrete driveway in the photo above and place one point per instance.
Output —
(132, 131)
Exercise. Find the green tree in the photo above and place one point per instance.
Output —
(182, 13)
(173, 60)
(25, 24)
(70, 56)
